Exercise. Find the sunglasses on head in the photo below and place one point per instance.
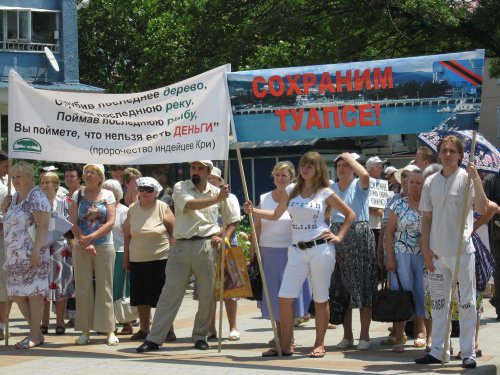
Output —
(146, 189)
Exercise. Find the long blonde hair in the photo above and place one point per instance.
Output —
(321, 179)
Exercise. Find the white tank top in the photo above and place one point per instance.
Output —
(274, 233)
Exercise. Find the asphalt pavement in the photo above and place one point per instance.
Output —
(60, 355)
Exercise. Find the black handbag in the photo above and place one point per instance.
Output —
(255, 280)
(393, 305)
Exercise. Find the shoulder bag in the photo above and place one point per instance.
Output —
(124, 312)
(393, 305)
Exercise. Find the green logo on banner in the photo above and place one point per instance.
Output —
(27, 145)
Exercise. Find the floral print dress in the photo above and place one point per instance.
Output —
(22, 278)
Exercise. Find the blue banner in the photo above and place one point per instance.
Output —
(396, 96)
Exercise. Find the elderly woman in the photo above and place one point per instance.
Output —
(121, 288)
(307, 202)
(131, 194)
(274, 238)
(148, 233)
(357, 262)
(92, 213)
(61, 286)
(27, 262)
(404, 255)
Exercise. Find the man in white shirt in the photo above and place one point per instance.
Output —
(442, 204)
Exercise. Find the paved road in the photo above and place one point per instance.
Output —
(60, 356)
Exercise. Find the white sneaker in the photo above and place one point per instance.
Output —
(112, 340)
(363, 345)
(234, 336)
(344, 344)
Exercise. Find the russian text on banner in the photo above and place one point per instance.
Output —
(396, 96)
(182, 122)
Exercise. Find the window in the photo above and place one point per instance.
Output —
(43, 27)
(17, 25)
(29, 29)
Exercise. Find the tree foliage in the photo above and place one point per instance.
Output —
(134, 45)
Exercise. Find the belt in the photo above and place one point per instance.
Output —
(195, 238)
(307, 245)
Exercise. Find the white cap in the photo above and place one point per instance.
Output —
(409, 167)
(373, 161)
(353, 154)
(390, 170)
(217, 173)
(206, 163)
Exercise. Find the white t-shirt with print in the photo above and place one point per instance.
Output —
(308, 215)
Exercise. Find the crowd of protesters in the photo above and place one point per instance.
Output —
(136, 237)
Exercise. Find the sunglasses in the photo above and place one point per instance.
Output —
(146, 189)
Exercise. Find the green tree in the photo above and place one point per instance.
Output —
(134, 45)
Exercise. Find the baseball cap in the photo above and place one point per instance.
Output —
(206, 163)
(390, 170)
(374, 160)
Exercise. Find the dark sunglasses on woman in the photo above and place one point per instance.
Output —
(147, 189)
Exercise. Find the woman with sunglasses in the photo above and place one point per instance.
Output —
(148, 233)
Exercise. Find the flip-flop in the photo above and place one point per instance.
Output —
(274, 353)
(317, 354)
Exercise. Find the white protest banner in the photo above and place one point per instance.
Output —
(182, 122)
(379, 192)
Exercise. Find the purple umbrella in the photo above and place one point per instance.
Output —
(486, 156)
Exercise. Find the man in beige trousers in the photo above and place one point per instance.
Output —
(196, 232)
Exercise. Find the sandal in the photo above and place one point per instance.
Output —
(234, 336)
(44, 329)
(274, 353)
(60, 330)
(419, 343)
(27, 343)
(127, 329)
(317, 353)
(391, 340)
(398, 348)
(139, 335)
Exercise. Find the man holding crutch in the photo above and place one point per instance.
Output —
(442, 204)
(196, 232)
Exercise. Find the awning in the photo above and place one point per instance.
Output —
(58, 86)
(261, 144)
